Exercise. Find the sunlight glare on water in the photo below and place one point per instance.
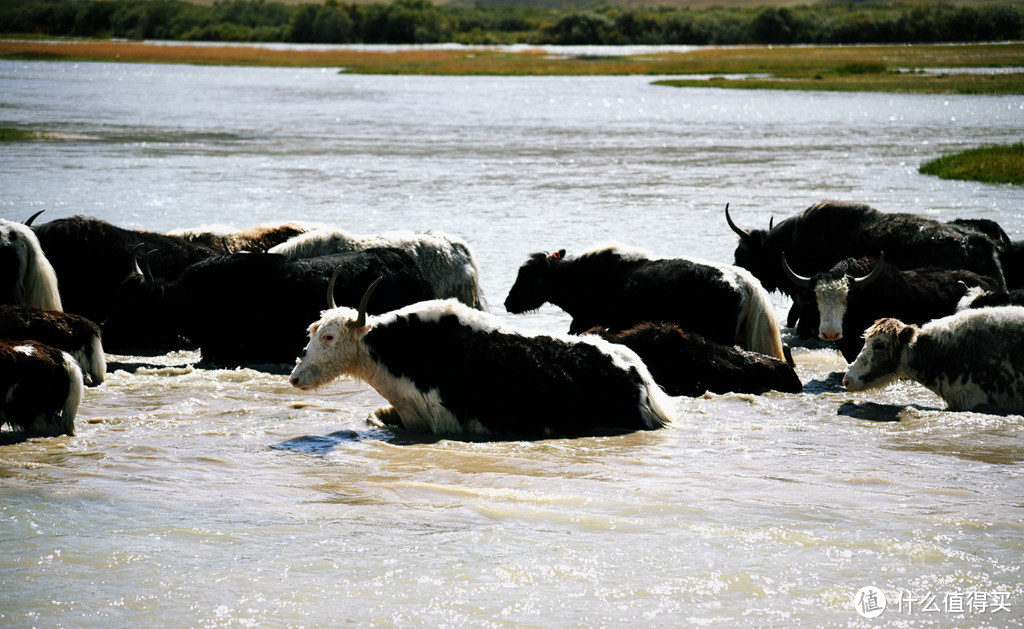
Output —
(204, 497)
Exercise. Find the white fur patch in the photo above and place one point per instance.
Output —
(974, 292)
(831, 297)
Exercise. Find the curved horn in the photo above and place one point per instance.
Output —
(771, 223)
(361, 318)
(330, 289)
(147, 272)
(872, 276)
(799, 280)
(136, 269)
(743, 234)
(28, 223)
(142, 271)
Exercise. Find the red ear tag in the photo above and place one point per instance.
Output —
(557, 255)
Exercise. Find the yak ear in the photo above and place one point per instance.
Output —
(359, 331)
(559, 255)
(907, 334)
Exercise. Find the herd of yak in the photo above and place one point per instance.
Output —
(900, 295)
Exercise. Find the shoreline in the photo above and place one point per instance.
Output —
(989, 68)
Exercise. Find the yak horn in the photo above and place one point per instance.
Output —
(799, 280)
(136, 269)
(28, 223)
(361, 317)
(743, 234)
(330, 289)
(142, 271)
(873, 275)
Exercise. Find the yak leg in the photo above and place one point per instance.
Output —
(388, 416)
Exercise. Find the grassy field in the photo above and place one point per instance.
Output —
(989, 164)
(885, 68)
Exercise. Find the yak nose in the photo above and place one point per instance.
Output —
(846, 382)
(831, 335)
(294, 380)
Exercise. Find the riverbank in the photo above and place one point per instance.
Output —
(996, 68)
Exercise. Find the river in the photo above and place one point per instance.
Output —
(195, 497)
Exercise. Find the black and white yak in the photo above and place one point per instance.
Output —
(974, 360)
(846, 299)
(68, 332)
(27, 277)
(448, 369)
(444, 260)
(40, 389)
(684, 363)
(251, 308)
(617, 288)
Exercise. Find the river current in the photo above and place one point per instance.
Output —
(195, 497)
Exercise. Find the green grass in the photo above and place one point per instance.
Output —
(17, 135)
(869, 68)
(893, 82)
(989, 164)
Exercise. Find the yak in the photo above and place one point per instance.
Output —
(685, 363)
(616, 288)
(40, 389)
(27, 277)
(444, 260)
(856, 292)
(91, 258)
(974, 359)
(448, 369)
(250, 308)
(68, 332)
(830, 231)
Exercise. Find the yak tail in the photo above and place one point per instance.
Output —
(758, 329)
(92, 361)
(74, 399)
(39, 281)
(655, 404)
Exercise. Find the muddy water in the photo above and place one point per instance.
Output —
(209, 498)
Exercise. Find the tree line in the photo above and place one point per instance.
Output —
(419, 22)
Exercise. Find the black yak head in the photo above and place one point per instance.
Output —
(142, 319)
(758, 252)
(530, 289)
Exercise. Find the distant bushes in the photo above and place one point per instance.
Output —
(419, 21)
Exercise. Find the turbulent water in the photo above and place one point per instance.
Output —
(225, 498)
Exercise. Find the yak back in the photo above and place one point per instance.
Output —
(510, 383)
(617, 292)
(685, 363)
(254, 308)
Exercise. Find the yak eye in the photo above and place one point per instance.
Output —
(327, 338)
